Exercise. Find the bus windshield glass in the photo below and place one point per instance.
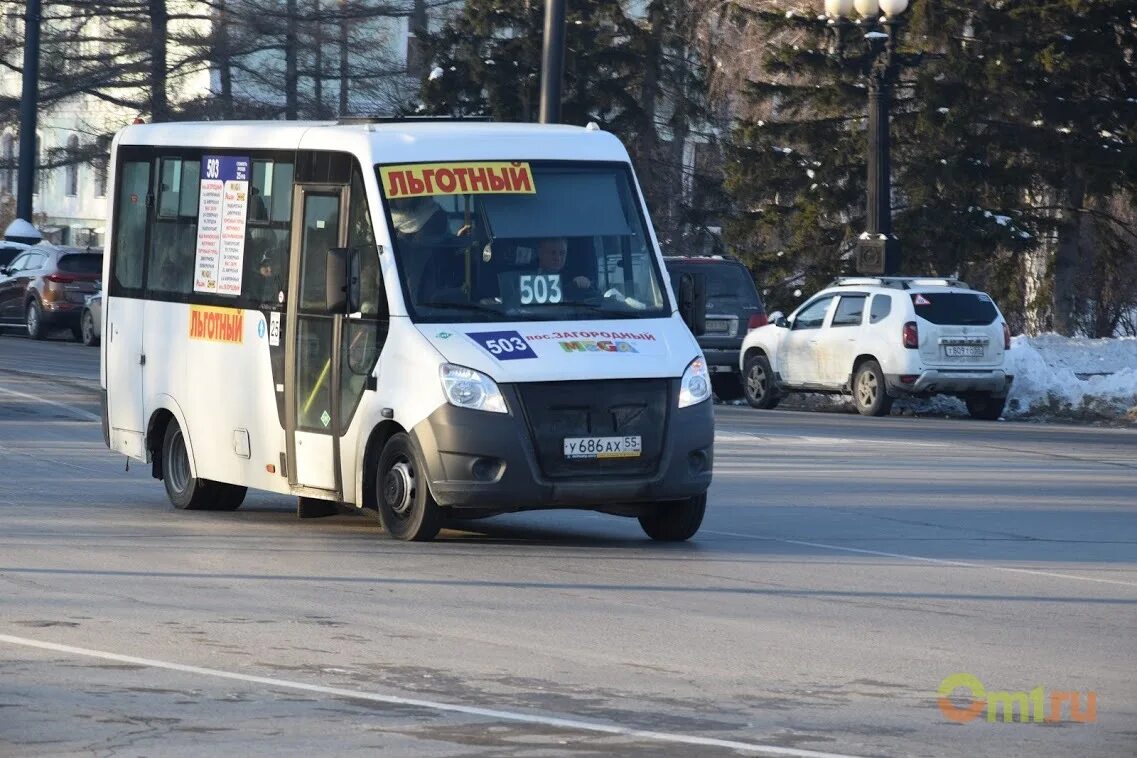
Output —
(519, 241)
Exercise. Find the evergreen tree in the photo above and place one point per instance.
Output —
(487, 61)
(638, 76)
(1016, 126)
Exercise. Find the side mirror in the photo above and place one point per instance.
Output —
(341, 284)
(777, 318)
(693, 302)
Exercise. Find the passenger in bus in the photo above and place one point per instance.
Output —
(270, 283)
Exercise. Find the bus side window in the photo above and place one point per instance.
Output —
(361, 237)
(173, 241)
(130, 224)
(267, 233)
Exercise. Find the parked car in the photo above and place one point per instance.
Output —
(91, 322)
(733, 308)
(880, 338)
(46, 287)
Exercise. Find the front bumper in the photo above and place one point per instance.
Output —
(487, 461)
(952, 381)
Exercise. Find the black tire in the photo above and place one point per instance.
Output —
(727, 387)
(870, 394)
(77, 332)
(984, 406)
(674, 521)
(758, 383)
(406, 508)
(187, 492)
(33, 320)
(87, 329)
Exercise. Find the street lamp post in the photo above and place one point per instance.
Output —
(878, 250)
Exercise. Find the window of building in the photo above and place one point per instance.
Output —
(72, 166)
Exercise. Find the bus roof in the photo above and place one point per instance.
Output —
(402, 142)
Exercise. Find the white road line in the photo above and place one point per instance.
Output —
(85, 415)
(469, 710)
(922, 559)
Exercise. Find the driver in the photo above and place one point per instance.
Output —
(551, 255)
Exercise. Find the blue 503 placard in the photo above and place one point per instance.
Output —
(505, 346)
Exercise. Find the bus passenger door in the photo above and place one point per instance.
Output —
(312, 371)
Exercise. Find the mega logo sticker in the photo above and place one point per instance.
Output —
(597, 346)
(505, 346)
(217, 324)
(476, 178)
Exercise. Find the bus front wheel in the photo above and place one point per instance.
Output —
(406, 508)
(186, 491)
(674, 521)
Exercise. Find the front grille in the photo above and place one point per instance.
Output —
(605, 408)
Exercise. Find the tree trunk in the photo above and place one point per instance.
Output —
(1067, 256)
(343, 60)
(317, 59)
(159, 106)
(648, 152)
(224, 64)
(291, 109)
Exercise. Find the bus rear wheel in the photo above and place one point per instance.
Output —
(186, 491)
(406, 508)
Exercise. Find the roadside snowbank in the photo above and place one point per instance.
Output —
(1056, 378)
(1072, 377)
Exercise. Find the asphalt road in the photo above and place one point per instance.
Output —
(845, 568)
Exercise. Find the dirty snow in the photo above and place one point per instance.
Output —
(1056, 378)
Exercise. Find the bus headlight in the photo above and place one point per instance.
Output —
(467, 388)
(696, 384)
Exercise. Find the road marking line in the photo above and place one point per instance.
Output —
(942, 561)
(527, 718)
(85, 415)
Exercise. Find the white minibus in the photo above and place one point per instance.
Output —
(417, 320)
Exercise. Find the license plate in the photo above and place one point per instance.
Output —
(602, 447)
(963, 351)
(717, 326)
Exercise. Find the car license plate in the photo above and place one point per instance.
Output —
(602, 447)
(963, 351)
(717, 326)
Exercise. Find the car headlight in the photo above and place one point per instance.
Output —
(696, 384)
(467, 388)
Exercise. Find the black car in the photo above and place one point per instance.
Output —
(733, 309)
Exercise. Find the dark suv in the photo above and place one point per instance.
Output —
(733, 309)
(46, 286)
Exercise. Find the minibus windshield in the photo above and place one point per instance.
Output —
(481, 241)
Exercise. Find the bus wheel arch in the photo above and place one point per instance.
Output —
(382, 432)
(156, 435)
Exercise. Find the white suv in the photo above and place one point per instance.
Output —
(880, 338)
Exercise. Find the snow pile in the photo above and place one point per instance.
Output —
(1058, 378)
(1074, 378)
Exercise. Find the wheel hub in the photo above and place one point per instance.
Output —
(399, 488)
(756, 382)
